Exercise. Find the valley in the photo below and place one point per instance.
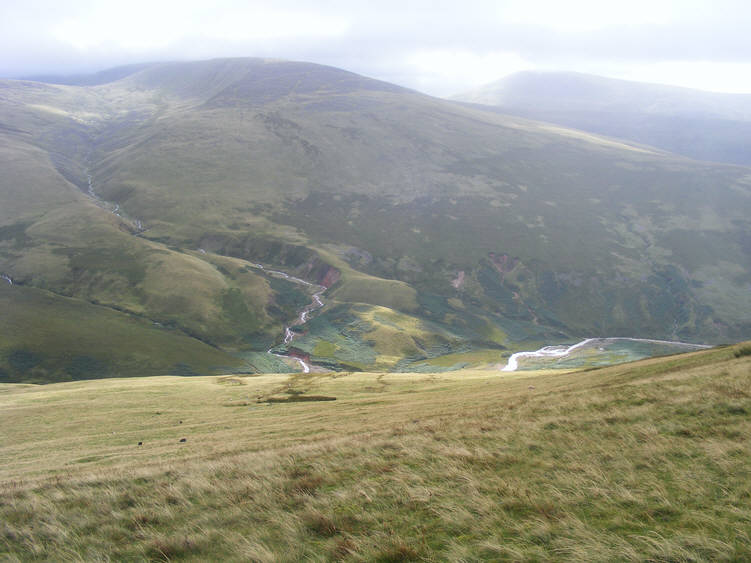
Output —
(265, 310)
(446, 236)
(379, 282)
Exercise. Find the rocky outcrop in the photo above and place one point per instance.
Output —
(299, 354)
(458, 281)
(331, 276)
(503, 263)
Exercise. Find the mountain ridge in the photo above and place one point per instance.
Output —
(701, 125)
(594, 89)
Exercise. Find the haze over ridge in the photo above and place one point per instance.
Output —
(440, 48)
(701, 125)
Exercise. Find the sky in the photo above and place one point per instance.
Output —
(438, 47)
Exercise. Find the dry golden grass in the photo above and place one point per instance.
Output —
(647, 461)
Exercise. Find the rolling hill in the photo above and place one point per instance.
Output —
(701, 125)
(446, 235)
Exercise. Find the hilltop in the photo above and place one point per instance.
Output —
(446, 235)
(644, 461)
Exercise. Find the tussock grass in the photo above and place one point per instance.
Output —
(646, 461)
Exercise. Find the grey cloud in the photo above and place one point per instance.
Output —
(380, 40)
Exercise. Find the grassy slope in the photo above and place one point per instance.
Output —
(54, 238)
(47, 337)
(414, 189)
(646, 461)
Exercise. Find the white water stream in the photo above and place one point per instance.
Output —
(314, 305)
(563, 351)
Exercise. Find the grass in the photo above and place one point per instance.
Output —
(644, 461)
(47, 337)
(371, 338)
(368, 289)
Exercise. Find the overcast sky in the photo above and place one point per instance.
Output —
(438, 47)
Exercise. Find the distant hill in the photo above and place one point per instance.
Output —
(447, 235)
(697, 124)
(89, 79)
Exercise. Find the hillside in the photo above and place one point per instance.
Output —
(642, 462)
(446, 235)
(700, 125)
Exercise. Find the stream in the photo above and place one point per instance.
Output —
(302, 318)
(563, 351)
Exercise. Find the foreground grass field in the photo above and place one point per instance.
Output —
(645, 461)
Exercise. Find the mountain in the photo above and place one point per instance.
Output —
(445, 235)
(701, 125)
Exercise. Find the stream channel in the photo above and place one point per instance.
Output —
(302, 318)
(556, 352)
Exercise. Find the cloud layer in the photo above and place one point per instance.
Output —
(438, 47)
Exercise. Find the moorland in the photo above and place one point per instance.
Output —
(645, 461)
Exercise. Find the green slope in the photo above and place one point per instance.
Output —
(640, 462)
(483, 231)
(47, 337)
